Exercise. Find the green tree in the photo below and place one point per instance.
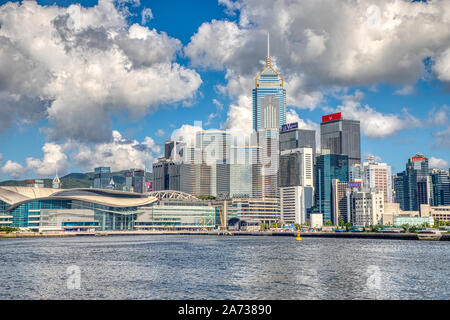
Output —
(8, 229)
(328, 223)
(263, 226)
(206, 197)
(347, 226)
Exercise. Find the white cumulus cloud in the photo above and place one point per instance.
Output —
(438, 163)
(13, 169)
(324, 46)
(77, 66)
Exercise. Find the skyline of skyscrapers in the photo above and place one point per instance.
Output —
(281, 161)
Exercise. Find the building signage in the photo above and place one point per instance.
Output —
(418, 159)
(289, 126)
(354, 185)
(331, 117)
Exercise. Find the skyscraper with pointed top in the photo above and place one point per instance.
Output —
(269, 98)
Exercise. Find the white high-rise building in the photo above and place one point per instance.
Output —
(368, 208)
(294, 201)
(296, 184)
(377, 176)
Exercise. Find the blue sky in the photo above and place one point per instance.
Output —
(401, 100)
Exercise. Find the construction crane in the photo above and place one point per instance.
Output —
(203, 225)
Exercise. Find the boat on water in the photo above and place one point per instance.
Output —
(99, 234)
(431, 235)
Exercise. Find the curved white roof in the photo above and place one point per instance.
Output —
(15, 196)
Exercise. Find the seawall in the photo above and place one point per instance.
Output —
(355, 235)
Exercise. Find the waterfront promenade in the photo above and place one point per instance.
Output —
(355, 235)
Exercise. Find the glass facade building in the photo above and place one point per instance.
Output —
(298, 138)
(342, 137)
(111, 210)
(178, 215)
(440, 180)
(269, 99)
(328, 168)
(296, 167)
(102, 177)
(413, 186)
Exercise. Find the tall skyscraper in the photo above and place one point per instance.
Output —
(296, 172)
(102, 177)
(341, 136)
(161, 174)
(292, 138)
(328, 168)
(215, 152)
(269, 98)
(377, 176)
(243, 171)
(296, 167)
(266, 171)
(135, 180)
(440, 181)
(173, 149)
(413, 186)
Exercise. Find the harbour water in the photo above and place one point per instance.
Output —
(213, 267)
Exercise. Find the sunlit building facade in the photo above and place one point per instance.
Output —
(269, 98)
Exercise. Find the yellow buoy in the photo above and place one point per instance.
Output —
(298, 237)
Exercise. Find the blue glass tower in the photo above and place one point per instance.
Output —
(269, 98)
(328, 168)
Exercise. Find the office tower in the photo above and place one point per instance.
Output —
(339, 201)
(424, 190)
(377, 176)
(174, 172)
(296, 172)
(341, 136)
(135, 181)
(223, 180)
(214, 146)
(102, 177)
(399, 188)
(328, 168)
(412, 186)
(161, 174)
(440, 181)
(342, 198)
(215, 153)
(368, 207)
(292, 138)
(254, 210)
(356, 172)
(243, 171)
(266, 169)
(295, 202)
(173, 149)
(296, 167)
(269, 98)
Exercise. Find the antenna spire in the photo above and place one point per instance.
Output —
(268, 60)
